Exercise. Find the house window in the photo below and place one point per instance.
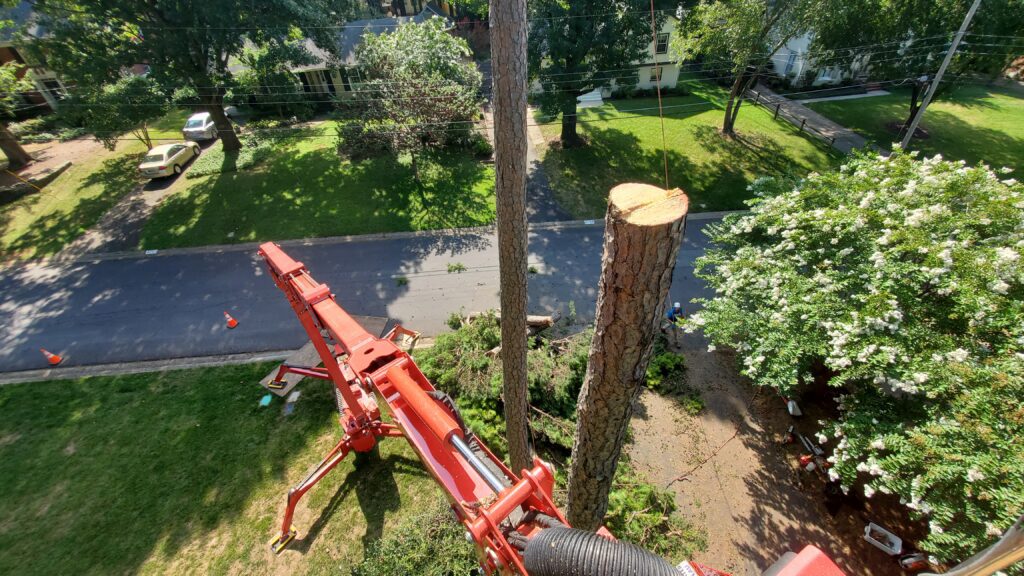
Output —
(661, 46)
(790, 63)
(656, 74)
(54, 89)
(305, 82)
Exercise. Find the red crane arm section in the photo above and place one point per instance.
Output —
(365, 369)
(495, 505)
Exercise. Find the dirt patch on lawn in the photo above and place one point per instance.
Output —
(49, 156)
(731, 475)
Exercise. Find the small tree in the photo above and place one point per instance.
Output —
(122, 107)
(901, 283)
(740, 34)
(420, 93)
(10, 85)
(578, 46)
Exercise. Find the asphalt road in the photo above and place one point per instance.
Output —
(171, 305)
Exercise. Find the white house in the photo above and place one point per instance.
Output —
(795, 63)
(657, 67)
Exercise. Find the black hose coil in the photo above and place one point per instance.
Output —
(563, 551)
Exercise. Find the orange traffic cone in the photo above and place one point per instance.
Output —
(52, 358)
(231, 321)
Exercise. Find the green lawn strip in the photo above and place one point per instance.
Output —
(714, 171)
(43, 223)
(970, 123)
(181, 472)
(304, 189)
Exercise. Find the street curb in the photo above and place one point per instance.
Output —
(143, 366)
(75, 372)
(252, 246)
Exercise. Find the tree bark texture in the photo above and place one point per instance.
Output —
(727, 124)
(508, 53)
(16, 155)
(643, 230)
(570, 137)
(214, 104)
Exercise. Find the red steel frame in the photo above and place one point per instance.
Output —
(364, 368)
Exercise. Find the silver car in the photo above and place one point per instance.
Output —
(200, 127)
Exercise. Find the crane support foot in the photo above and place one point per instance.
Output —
(278, 544)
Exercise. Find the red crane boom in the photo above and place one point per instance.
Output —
(502, 512)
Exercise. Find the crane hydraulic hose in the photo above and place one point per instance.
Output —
(562, 551)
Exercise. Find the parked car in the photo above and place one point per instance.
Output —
(168, 159)
(200, 127)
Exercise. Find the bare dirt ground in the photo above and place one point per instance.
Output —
(732, 476)
(50, 155)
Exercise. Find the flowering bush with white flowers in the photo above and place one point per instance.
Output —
(902, 282)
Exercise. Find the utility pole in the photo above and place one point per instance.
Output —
(508, 61)
(938, 77)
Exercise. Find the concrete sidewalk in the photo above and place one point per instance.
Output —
(840, 137)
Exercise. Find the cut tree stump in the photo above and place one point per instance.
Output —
(643, 231)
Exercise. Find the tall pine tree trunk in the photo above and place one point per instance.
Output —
(643, 230)
(508, 53)
(16, 155)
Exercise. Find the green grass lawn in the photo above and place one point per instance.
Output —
(971, 123)
(41, 224)
(714, 171)
(182, 473)
(305, 189)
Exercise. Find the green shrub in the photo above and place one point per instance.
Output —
(427, 544)
(902, 282)
(65, 134)
(27, 127)
(667, 369)
(38, 138)
(214, 160)
(480, 146)
(638, 512)
(644, 514)
(456, 267)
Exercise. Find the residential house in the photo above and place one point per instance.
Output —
(658, 66)
(48, 89)
(339, 76)
(795, 64)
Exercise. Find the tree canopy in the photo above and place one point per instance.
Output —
(185, 43)
(420, 92)
(575, 47)
(901, 283)
(739, 36)
(124, 106)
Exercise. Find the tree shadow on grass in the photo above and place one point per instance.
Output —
(377, 491)
(581, 177)
(103, 475)
(115, 177)
(316, 193)
(958, 139)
